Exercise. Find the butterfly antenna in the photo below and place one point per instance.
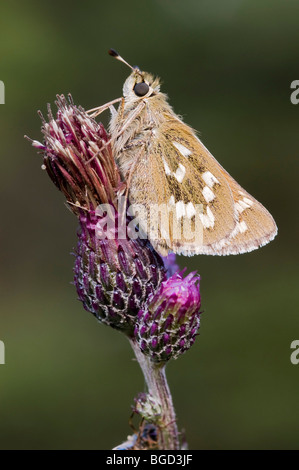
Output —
(116, 55)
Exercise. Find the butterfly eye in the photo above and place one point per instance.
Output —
(141, 89)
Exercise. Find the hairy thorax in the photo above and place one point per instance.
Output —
(131, 140)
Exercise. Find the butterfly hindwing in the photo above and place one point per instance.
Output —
(255, 227)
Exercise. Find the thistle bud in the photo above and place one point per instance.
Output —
(114, 274)
(168, 325)
(148, 408)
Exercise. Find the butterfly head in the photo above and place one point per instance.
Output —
(139, 85)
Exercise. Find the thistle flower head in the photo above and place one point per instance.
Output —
(114, 277)
(168, 325)
(78, 157)
(114, 273)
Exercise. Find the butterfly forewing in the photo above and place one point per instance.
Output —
(178, 175)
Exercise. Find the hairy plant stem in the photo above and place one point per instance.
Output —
(157, 385)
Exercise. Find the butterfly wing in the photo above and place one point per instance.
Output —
(193, 206)
(184, 191)
(255, 227)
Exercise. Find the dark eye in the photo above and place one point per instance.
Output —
(141, 89)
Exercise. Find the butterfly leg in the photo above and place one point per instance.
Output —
(125, 125)
(132, 117)
(94, 112)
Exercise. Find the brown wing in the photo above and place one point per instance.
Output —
(255, 228)
(185, 193)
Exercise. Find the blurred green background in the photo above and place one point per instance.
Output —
(227, 66)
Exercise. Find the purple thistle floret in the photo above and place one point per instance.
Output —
(168, 325)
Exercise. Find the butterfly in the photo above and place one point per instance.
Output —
(182, 198)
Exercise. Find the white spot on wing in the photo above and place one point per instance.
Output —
(207, 219)
(180, 209)
(208, 194)
(166, 167)
(180, 173)
(248, 201)
(182, 149)
(242, 227)
(238, 207)
(242, 205)
(171, 201)
(209, 179)
(190, 209)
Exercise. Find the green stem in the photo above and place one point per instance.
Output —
(157, 385)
